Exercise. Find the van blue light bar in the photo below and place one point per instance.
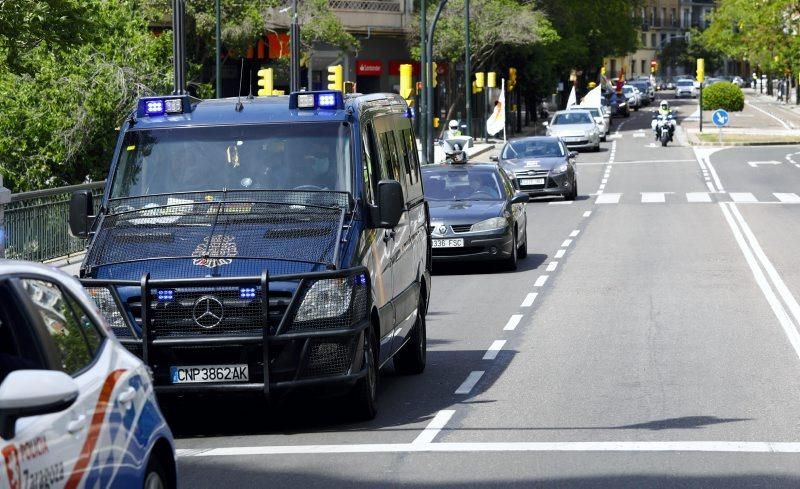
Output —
(166, 105)
(323, 99)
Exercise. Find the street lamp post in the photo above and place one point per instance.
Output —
(218, 48)
(294, 32)
(467, 74)
(429, 75)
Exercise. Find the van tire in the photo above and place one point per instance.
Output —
(412, 357)
(364, 396)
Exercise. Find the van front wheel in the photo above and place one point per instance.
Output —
(412, 357)
(364, 396)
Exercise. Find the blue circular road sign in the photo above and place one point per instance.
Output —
(720, 118)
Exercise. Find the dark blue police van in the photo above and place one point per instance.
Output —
(265, 244)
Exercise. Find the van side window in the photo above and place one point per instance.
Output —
(413, 162)
(397, 169)
(386, 157)
(368, 159)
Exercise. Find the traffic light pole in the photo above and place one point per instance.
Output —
(467, 70)
(218, 48)
(294, 77)
(429, 75)
(423, 113)
(178, 47)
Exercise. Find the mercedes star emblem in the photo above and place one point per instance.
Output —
(208, 312)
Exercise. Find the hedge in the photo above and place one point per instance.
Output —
(723, 95)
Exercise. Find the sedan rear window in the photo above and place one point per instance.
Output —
(572, 118)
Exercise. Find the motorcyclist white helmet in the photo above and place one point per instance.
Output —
(452, 125)
(664, 105)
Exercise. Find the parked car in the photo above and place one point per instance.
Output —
(77, 409)
(685, 88)
(670, 85)
(576, 128)
(632, 96)
(541, 165)
(738, 81)
(476, 214)
(603, 121)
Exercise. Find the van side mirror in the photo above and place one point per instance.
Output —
(26, 393)
(390, 203)
(81, 207)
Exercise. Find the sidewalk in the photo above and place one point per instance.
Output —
(763, 121)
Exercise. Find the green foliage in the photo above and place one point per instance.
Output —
(723, 95)
(679, 53)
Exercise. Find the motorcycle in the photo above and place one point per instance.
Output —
(664, 126)
(454, 152)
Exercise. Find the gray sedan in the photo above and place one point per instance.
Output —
(540, 166)
(576, 128)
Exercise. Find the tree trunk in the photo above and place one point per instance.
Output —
(769, 84)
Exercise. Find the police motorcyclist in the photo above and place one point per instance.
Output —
(664, 108)
(664, 112)
(452, 130)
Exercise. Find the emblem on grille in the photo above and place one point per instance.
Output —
(218, 246)
(208, 312)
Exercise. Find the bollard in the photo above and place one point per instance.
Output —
(5, 198)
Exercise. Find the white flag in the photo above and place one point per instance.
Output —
(497, 121)
(573, 99)
(592, 99)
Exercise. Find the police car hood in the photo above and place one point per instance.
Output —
(188, 238)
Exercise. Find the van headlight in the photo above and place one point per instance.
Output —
(493, 224)
(325, 299)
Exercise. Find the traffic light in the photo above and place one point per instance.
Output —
(406, 83)
(479, 78)
(701, 69)
(266, 82)
(603, 71)
(335, 79)
(491, 79)
(349, 87)
(512, 78)
(434, 74)
(653, 66)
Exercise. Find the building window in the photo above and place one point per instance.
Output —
(674, 18)
(644, 40)
(633, 66)
(644, 66)
(653, 40)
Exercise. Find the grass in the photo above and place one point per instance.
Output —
(713, 137)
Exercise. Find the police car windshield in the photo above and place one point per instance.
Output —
(304, 156)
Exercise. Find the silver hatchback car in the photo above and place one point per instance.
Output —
(577, 128)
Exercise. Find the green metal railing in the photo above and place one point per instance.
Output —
(36, 223)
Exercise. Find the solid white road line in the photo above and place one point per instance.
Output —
(551, 267)
(786, 126)
(777, 281)
(608, 199)
(434, 427)
(566, 243)
(698, 197)
(472, 379)
(528, 302)
(711, 187)
(653, 197)
(777, 308)
(494, 349)
(788, 198)
(570, 446)
(574, 233)
(560, 253)
(742, 197)
(541, 280)
(512, 323)
(561, 202)
(714, 175)
(587, 213)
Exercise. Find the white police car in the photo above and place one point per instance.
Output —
(76, 408)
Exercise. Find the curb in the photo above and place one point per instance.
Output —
(486, 148)
(746, 143)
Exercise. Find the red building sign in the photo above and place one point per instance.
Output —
(369, 67)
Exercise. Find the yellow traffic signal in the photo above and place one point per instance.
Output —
(701, 69)
(406, 83)
(479, 78)
(512, 78)
(335, 78)
(603, 70)
(653, 66)
(436, 122)
(266, 82)
(491, 79)
(434, 75)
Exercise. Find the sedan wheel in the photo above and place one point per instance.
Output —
(511, 262)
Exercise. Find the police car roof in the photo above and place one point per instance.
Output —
(262, 110)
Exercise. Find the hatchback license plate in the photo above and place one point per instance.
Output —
(448, 243)
(199, 374)
(532, 181)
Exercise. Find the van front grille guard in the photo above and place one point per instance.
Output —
(301, 321)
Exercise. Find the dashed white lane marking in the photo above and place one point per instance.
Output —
(560, 253)
(587, 213)
(742, 197)
(566, 243)
(714, 175)
(698, 197)
(788, 198)
(551, 267)
(494, 349)
(472, 379)
(608, 199)
(604, 181)
(561, 202)
(513, 322)
(765, 447)
(574, 233)
(434, 427)
(541, 280)
(528, 302)
(654, 197)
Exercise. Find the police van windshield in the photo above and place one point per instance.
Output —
(305, 156)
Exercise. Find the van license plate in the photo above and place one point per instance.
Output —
(198, 374)
(448, 243)
(532, 181)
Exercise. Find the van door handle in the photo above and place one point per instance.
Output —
(76, 424)
(387, 235)
(127, 396)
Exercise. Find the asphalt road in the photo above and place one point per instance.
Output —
(650, 339)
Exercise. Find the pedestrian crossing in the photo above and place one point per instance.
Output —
(688, 197)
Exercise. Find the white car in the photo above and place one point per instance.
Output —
(76, 408)
(633, 96)
(602, 120)
(685, 88)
